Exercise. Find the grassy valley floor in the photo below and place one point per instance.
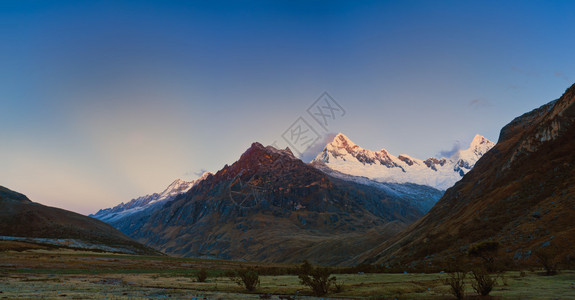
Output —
(70, 274)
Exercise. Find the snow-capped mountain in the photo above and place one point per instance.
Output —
(271, 206)
(344, 156)
(135, 205)
(523, 190)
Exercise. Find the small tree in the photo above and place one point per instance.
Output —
(247, 278)
(482, 282)
(456, 277)
(318, 279)
(202, 275)
(305, 268)
(487, 251)
(456, 280)
(338, 286)
(547, 257)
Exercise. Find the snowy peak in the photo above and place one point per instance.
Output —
(480, 145)
(177, 187)
(343, 148)
(121, 210)
(344, 156)
(479, 140)
(343, 142)
(466, 158)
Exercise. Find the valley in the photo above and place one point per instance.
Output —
(270, 226)
(70, 274)
(287, 150)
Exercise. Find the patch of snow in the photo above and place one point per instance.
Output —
(344, 156)
(70, 243)
(176, 188)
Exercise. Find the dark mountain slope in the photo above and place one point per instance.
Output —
(270, 206)
(520, 193)
(23, 219)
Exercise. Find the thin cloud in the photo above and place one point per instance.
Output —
(524, 72)
(562, 76)
(196, 173)
(479, 103)
(316, 148)
(448, 153)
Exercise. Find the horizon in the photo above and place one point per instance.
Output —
(106, 102)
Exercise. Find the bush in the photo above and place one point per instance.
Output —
(338, 286)
(482, 282)
(202, 275)
(456, 276)
(487, 251)
(547, 257)
(318, 279)
(247, 278)
(456, 280)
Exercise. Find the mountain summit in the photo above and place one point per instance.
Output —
(125, 216)
(271, 206)
(520, 194)
(342, 155)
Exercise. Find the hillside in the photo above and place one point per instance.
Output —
(520, 193)
(128, 217)
(270, 206)
(27, 221)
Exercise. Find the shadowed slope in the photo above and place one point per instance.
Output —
(270, 206)
(519, 193)
(22, 218)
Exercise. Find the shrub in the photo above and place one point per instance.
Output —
(338, 286)
(482, 282)
(547, 257)
(456, 280)
(318, 279)
(456, 276)
(487, 251)
(247, 278)
(202, 275)
(504, 280)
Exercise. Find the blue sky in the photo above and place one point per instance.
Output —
(103, 101)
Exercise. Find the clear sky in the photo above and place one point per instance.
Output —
(104, 101)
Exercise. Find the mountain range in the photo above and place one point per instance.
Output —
(344, 156)
(271, 206)
(348, 206)
(519, 194)
(125, 216)
(343, 159)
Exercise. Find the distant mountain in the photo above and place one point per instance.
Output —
(271, 206)
(344, 156)
(115, 214)
(520, 193)
(27, 221)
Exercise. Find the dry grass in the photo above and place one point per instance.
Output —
(85, 275)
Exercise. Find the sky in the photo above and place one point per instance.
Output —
(105, 101)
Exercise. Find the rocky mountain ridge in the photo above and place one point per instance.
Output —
(344, 156)
(271, 206)
(519, 194)
(115, 214)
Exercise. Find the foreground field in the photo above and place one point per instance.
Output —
(82, 275)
